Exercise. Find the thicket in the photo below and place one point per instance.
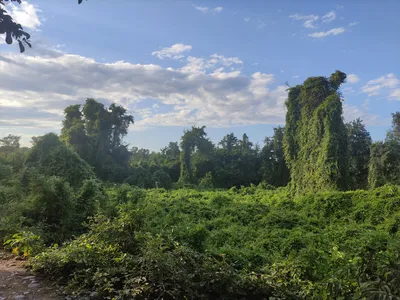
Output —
(249, 243)
(204, 221)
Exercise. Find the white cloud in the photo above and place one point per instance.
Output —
(351, 112)
(353, 78)
(333, 31)
(173, 52)
(225, 61)
(247, 19)
(296, 76)
(260, 24)
(308, 20)
(395, 94)
(387, 83)
(36, 88)
(329, 17)
(25, 14)
(353, 24)
(348, 90)
(208, 10)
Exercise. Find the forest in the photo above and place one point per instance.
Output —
(313, 213)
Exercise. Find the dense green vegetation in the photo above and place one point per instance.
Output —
(313, 214)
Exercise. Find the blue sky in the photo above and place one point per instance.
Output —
(174, 64)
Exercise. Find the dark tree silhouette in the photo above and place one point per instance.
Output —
(12, 30)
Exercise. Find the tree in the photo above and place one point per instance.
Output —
(359, 154)
(10, 141)
(9, 144)
(236, 163)
(96, 133)
(51, 157)
(273, 165)
(384, 167)
(229, 143)
(194, 141)
(315, 139)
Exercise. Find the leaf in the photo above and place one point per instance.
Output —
(8, 38)
(21, 47)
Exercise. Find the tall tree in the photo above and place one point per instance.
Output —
(96, 133)
(384, 164)
(315, 140)
(273, 165)
(10, 141)
(359, 154)
(229, 143)
(195, 142)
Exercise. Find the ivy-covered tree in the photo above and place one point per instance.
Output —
(51, 157)
(96, 133)
(315, 140)
(359, 154)
(195, 143)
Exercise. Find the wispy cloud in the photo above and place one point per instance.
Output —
(329, 17)
(388, 84)
(260, 24)
(353, 24)
(208, 10)
(353, 78)
(352, 112)
(395, 94)
(322, 34)
(308, 20)
(247, 19)
(173, 52)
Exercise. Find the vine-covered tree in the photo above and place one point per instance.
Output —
(196, 153)
(359, 154)
(51, 157)
(315, 140)
(96, 133)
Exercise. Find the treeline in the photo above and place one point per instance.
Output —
(95, 133)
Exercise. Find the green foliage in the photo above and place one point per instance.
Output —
(161, 179)
(50, 208)
(248, 243)
(194, 141)
(95, 133)
(273, 165)
(359, 154)
(315, 140)
(385, 159)
(25, 244)
(50, 157)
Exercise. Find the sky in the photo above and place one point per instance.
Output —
(176, 64)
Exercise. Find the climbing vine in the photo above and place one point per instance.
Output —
(194, 141)
(315, 140)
